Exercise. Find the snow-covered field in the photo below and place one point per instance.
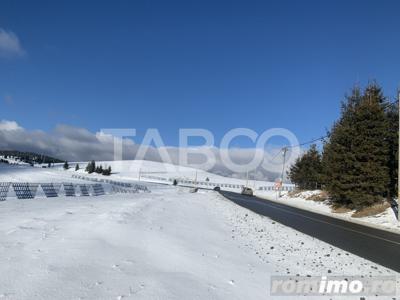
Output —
(26, 173)
(167, 244)
(143, 170)
(128, 170)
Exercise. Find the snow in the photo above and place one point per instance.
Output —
(14, 161)
(167, 244)
(162, 245)
(143, 170)
(129, 170)
(21, 173)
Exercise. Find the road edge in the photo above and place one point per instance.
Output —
(343, 218)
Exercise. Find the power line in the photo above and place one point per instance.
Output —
(323, 137)
(298, 145)
(388, 104)
(309, 142)
(279, 152)
(391, 104)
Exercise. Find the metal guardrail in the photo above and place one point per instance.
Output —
(211, 185)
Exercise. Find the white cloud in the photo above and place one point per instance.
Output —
(79, 144)
(9, 126)
(10, 45)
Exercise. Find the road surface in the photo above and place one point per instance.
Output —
(376, 245)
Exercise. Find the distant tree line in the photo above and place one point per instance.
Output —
(358, 163)
(29, 157)
(91, 168)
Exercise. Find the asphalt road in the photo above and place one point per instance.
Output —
(376, 245)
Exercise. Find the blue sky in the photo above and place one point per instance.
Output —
(186, 64)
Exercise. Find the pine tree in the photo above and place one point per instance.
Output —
(99, 170)
(306, 172)
(355, 158)
(392, 115)
(91, 167)
(66, 166)
(77, 167)
(107, 171)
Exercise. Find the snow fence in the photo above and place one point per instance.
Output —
(28, 190)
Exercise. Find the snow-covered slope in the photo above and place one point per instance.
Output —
(128, 170)
(167, 244)
(148, 170)
(23, 173)
(132, 169)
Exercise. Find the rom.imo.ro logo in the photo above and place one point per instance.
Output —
(334, 285)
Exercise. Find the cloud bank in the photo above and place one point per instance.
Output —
(78, 144)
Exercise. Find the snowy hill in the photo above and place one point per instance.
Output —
(150, 170)
(19, 157)
(122, 170)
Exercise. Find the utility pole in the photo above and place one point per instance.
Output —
(247, 178)
(284, 149)
(398, 159)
